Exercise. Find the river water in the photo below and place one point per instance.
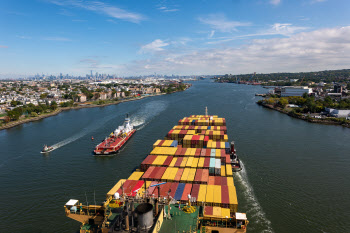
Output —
(296, 175)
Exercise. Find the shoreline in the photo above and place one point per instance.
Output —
(305, 118)
(62, 109)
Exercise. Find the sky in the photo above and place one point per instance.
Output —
(180, 37)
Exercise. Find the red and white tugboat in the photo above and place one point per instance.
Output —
(116, 140)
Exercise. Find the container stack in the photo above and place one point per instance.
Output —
(194, 159)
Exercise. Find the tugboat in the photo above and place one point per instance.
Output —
(235, 162)
(46, 149)
(116, 140)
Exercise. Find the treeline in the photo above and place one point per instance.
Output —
(307, 103)
(326, 76)
(173, 88)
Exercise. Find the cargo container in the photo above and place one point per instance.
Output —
(173, 172)
(206, 162)
(173, 189)
(217, 167)
(184, 162)
(168, 161)
(185, 175)
(195, 192)
(198, 176)
(202, 194)
(151, 189)
(194, 162)
(189, 161)
(205, 176)
(178, 174)
(228, 170)
(178, 162)
(209, 198)
(211, 180)
(212, 166)
(224, 180)
(217, 180)
(115, 188)
(223, 169)
(148, 173)
(159, 174)
(230, 181)
(217, 195)
(179, 191)
(225, 199)
(200, 162)
(173, 161)
(135, 176)
(191, 175)
(233, 198)
(185, 193)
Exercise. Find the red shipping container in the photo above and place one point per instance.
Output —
(223, 180)
(179, 174)
(178, 162)
(205, 176)
(225, 199)
(217, 180)
(183, 152)
(153, 174)
(136, 188)
(160, 173)
(228, 159)
(207, 153)
(161, 143)
(195, 191)
(168, 161)
(208, 210)
(173, 188)
(151, 189)
(206, 162)
(164, 189)
(191, 127)
(178, 151)
(187, 190)
(198, 152)
(147, 173)
(198, 177)
(203, 151)
(127, 187)
(211, 180)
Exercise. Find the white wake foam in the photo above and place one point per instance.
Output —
(254, 210)
(147, 112)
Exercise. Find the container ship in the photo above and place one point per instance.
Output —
(185, 184)
(116, 139)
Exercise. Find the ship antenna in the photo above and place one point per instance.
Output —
(86, 200)
(206, 111)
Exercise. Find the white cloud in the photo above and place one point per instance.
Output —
(57, 39)
(220, 23)
(166, 9)
(285, 29)
(275, 2)
(101, 8)
(155, 46)
(316, 50)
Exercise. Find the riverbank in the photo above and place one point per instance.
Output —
(61, 109)
(325, 121)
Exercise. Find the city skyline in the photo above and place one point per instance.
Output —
(172, 37)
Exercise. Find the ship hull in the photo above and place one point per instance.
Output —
(112, 145)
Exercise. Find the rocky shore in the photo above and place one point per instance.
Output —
(326, 121)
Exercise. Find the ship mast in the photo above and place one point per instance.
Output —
(206, 111)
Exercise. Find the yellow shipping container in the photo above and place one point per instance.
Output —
(185, 175)
(230, 181)
(233, 198)
(157, 161)
(191, 132)
(217, 211)
(201, 162)
(217, 195)
(222, 145)
(209, 198)
(183, 163)
(191, 175)
(115, 188)
(189, 161)
(223, 172)
(228, 170)
(173, 161)
(217, 153)
(167, 143)
(225, 213)
(195, 162)
(135, 176)
(172, 174)
(188, 152)
(156, 143)
(202, 194)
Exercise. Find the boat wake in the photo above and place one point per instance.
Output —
(84, 132)
(254, 210)
(145, 115)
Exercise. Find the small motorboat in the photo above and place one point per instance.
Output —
(46, 149)
(236, 163)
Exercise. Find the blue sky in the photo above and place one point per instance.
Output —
(129, 37)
